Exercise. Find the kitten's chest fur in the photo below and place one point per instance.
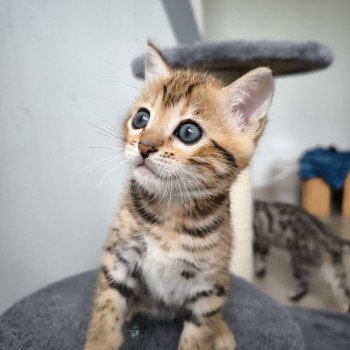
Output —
(170, 276)
(169, 260)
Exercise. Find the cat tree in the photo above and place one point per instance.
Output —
(228, 61)
(57, 317)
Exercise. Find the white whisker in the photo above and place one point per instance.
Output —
(105, 131)
(109, 172)
(103, 146)
(110, 126)
(103, 134)
(101, 161)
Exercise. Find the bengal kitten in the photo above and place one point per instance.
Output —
(307, 240)
(187, 138)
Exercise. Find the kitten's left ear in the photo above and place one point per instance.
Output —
(247, 100)
(155, 65)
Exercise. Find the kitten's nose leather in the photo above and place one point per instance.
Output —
(146, 148)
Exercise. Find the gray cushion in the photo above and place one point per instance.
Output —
(323, 330)
(57, 317)
(234, 58)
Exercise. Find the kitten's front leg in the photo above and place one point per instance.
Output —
(204, 328)
(301, 274)
(195, 337)
(113, 298)
(107, 318)
(260, 253)
(212, 334)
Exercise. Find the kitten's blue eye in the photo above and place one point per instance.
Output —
(189, 132)
(141, 119)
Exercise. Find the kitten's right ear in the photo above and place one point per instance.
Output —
(248, 98)
(155, 65)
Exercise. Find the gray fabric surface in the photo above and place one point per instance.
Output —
(323, 330)
(57, 317)
(237, 57)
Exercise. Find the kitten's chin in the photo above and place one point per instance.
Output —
(147, 178)
(145, 172)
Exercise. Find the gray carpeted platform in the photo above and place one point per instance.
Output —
(231, 59)
(56, 318)
(323, 330)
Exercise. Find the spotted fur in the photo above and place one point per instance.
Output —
(306, 239)
(169, 250)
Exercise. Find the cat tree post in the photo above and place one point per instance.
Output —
(228, 61)
(242, 215)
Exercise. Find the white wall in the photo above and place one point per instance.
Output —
(55, 78)
(309, 109)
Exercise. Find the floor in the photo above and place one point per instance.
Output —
(278, 281)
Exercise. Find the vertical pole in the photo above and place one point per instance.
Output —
(241, 201)
(182, 20)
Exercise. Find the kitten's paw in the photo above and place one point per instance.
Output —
(297, 296)
(260, 273)
(192, 342)
(101, 346)
(194, 345)
(225, 342)
(224, 339)
(96, 342)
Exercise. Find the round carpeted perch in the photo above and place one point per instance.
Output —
(231, 59)
(57, 318)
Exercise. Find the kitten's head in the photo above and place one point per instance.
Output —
(188, 133)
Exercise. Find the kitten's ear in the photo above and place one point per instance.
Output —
(155, 65)
(247, 100)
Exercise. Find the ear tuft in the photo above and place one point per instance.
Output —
(155, 64)
(247, 99)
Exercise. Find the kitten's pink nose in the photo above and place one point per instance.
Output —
(146, 148)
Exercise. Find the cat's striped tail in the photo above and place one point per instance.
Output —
(334, 243)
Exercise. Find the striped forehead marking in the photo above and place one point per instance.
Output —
(174, 91)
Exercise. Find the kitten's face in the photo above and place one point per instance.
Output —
(180, 136)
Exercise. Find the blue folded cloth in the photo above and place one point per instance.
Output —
(327, 163)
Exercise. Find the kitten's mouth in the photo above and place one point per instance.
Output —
(146, 170)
